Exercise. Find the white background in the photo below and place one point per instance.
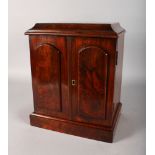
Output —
(130, 135)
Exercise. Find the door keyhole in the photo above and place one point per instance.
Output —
(73, 83)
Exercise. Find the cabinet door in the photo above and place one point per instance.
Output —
(49, 65)
(90, 70)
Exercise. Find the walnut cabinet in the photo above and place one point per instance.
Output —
(76, 77)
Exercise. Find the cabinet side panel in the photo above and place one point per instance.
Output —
(118, 70)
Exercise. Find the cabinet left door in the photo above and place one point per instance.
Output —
(49, 68)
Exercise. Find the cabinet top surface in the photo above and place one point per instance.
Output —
(77, 29)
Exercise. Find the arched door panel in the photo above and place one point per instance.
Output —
(50, 75)
(90, 70)
(92, 77)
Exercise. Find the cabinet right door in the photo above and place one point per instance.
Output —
(90, 74)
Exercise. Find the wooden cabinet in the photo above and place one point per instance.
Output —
(76, 78)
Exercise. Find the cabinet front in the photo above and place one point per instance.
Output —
(90, 71)
(49, 65)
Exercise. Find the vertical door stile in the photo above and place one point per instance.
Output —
(69, 52)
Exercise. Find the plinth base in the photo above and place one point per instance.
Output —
(76, 128)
